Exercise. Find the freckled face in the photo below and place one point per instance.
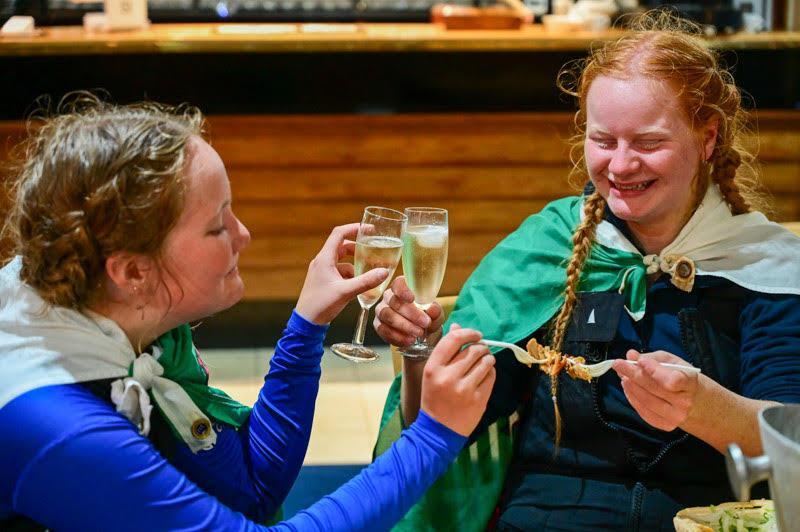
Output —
(641, 152)
(202, 251)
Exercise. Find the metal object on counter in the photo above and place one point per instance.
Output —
(780, 464)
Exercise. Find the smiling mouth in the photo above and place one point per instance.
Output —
(633, 187)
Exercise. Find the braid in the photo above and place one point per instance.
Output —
(725, 163)
(582, 240)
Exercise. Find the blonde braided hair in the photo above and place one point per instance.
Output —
(582, 240)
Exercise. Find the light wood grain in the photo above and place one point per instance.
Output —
(296, 177)
(362, 37)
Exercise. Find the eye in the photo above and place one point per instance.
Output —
(218, 231)
(650, 144)
(604, 144)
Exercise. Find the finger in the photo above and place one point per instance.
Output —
(450, 345)
(409, 311)
(393, 336)
(346, 269)
(401, 290)
(393, 319)
(365, 281)
(346, 249)
(436, 314)
(653, 376)
(478, 372)
(339, 233)
(454, 326)
(644, 409)
(632, 354)
(669, 408)
(663, 356)
(485, 387)
(464, 361)
(670, 379)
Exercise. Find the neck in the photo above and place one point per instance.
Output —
(141, 328)
(654, 236)
(652, 240)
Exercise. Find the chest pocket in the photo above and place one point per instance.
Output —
(594, 322)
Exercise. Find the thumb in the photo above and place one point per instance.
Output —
(365, 281)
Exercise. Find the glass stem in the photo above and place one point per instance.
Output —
(361, 327)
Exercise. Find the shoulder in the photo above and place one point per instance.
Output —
(41, 420)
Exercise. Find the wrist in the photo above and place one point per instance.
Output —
(301, 324)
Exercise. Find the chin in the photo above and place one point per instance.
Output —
(629, 211)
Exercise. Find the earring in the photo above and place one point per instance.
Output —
(140, 306)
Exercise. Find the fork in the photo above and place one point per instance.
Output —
(521, 355)
(595, 370)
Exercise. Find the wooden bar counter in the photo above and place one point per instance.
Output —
(320, 38)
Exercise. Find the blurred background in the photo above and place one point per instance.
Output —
(322, 107)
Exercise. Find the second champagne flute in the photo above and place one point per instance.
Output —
(378, 245)
(424, 261)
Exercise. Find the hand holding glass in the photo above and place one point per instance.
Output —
(424, 261)
(378, 245)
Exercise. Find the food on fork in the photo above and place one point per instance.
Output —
(556, 361)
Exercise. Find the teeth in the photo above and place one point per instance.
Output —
(640, 186)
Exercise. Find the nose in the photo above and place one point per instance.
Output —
(624, 161)
(242, 239)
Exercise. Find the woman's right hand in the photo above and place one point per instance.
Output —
(456, 382)
(331, 284)
(399, 322)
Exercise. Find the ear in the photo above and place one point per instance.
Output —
(129, 272)
(709, 137)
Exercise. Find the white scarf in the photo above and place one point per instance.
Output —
(43, 345)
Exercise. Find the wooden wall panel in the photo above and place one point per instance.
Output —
(295, 177)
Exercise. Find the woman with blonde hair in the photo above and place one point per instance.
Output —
(124, 233)
(665, 258)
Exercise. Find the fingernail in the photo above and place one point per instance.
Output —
(383, 271)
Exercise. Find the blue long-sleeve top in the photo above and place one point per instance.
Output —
(71, 462)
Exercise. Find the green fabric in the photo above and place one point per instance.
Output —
(518, 286)
(513, 292)
(181, 364)
(464, 498)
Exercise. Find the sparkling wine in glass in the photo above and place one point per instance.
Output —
(424, 261)
(378, 245)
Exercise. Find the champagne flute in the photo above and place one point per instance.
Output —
(424, 261)
(378, 245)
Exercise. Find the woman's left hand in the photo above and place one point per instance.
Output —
(664, 397)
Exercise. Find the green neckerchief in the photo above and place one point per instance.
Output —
(518, 287)
(182, 365)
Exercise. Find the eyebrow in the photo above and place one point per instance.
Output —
(649, 131)
(221, 208)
